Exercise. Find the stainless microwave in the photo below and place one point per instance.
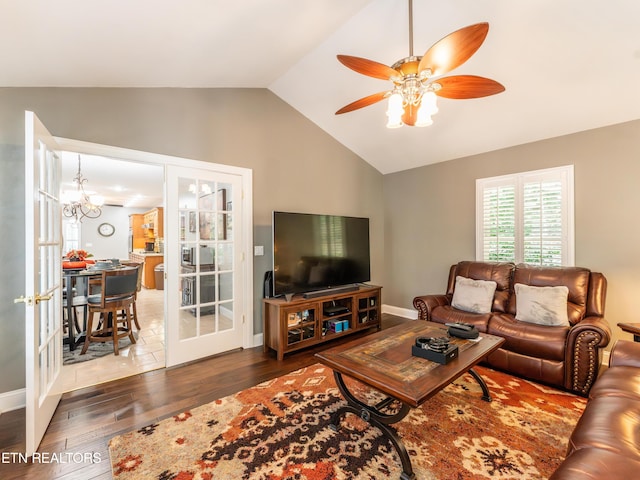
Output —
(206, 255)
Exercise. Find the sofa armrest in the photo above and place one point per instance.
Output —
(625, 353)
(583, 352)
(426, 303)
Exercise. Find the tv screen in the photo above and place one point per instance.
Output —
(316, 252)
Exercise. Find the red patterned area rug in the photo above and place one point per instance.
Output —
(279, 430)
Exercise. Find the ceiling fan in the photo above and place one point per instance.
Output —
(412, 100)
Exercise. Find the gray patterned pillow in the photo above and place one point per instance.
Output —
(542, 305)
(475, 296)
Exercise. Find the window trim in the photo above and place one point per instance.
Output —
(565, 174)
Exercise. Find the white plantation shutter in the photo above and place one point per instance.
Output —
(542, 223)
(498, 220)
(526, 217)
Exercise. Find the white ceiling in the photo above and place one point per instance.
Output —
(567, 65)
(121, 183)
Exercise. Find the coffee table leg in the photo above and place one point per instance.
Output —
(373, 416)
(486, 396)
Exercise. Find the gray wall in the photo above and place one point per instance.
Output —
(430, 214)
(115, 246)
(12, 251)
(296, 167)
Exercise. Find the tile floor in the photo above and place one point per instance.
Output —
(147, 354)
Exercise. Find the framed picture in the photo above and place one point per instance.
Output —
(222, 217)
(206, 225)
(206, 202)
(221, 199)
(208, 219)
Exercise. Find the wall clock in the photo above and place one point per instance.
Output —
(106, 229)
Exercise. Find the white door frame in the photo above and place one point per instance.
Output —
(247, 220)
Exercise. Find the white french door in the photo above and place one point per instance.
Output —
(43, 292)
(205, 304)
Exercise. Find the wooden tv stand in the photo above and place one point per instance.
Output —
(301, 322)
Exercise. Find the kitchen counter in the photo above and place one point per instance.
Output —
(149, 261)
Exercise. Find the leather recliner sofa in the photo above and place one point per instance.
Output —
(605, 443)
(563, 356)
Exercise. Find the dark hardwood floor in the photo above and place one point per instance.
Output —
(87, 419)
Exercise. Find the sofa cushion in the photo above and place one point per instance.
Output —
(596, 464)
(576, 279)
(619, 381)
(542, 370)
(475, 296)
(610, 423)
(499, 272)
(542, 305)
(446, 314)
(539, 341)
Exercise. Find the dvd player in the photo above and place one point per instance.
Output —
(335, 310)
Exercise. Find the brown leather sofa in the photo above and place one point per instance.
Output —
(563, 356)
(606, 440)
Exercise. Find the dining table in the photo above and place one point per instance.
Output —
(76, 284)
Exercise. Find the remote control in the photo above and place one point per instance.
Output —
(461, 326)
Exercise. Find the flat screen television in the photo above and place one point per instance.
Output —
(313, 252)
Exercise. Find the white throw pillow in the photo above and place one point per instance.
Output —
(475, 296)
(542, 305)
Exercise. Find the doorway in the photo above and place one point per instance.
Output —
(128, 190)
(152, 349)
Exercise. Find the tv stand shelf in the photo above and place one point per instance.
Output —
(302, 322)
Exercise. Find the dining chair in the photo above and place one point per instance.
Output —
(138, 288)
(118, 293)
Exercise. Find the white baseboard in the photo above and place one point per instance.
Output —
(258, 339)
(13, 400)
(400, 312)
(605, 358)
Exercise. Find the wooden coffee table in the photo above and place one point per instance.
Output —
(383, 360)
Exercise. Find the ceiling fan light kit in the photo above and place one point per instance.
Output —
(413, 99)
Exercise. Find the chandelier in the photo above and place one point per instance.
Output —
(77, 204)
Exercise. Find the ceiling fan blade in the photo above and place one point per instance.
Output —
(454, 49)
(363, 102)
(369, 67)
(467, 86)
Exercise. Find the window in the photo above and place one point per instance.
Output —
(526, 217)
(71, 235)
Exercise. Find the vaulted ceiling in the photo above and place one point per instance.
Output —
(567, 65)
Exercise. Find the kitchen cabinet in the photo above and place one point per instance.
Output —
(153, 220)
(149, 262)
(136, 231)
(207, 289)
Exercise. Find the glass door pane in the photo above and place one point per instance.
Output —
(206, 257)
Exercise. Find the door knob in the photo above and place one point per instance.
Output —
(42, 298)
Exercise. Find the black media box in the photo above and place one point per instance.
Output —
(439, 357)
